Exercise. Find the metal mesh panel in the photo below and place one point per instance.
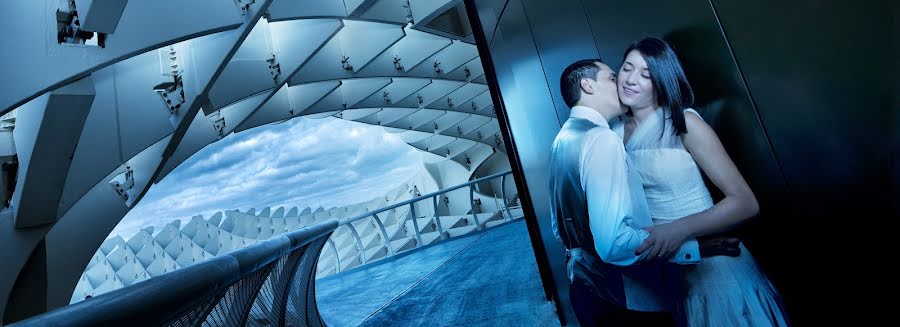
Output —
(298, 302)
(268, 309)
(233, 307)
(197, 314)
(280, 294)
(313, 319)
(272, 289)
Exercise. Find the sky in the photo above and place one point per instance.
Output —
(303, 162)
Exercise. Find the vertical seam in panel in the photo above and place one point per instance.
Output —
(118, 119)
(590, 29)
(541, 62)
(751, 98)
(494, 33)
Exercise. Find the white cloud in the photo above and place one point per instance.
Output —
(302, 162)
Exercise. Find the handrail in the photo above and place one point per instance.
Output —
(191, 295)
(389, 236)
(426, 196)
(227, 289)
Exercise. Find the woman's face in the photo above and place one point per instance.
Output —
(634, 85)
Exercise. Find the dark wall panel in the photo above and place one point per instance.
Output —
(895, 195)
(562, 36)
(818, 73)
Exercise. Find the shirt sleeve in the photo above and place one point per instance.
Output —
(604, 175)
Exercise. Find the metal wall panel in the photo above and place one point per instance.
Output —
(818, 73)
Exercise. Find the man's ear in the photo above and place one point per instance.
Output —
(586, 86)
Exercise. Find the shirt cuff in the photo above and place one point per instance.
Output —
(688, 253)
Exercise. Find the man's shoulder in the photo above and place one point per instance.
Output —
(602, 136)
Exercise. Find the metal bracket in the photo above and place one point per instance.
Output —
(172, 95)
(69, 31)
(386, 96)
(274, 68)
(244, 5)
(219, 124)
(123, 184)
(409, 15)
(397, 64)
(449, 103)
(437, 67)
(345, 62)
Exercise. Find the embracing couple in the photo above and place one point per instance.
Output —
(629, 202)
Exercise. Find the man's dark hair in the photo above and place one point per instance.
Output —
(570, 80)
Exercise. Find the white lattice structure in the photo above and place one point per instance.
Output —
(90, 122)
(149, 253)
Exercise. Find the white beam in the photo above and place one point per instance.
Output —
(46, 133)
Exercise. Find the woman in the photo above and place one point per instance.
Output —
(669, 144)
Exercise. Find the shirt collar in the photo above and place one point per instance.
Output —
(590, 115)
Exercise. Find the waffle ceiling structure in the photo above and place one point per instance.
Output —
(101, 100)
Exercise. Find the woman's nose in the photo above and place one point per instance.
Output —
(630, 79)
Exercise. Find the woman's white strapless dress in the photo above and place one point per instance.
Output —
(721, 290)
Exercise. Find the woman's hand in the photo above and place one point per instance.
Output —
(663, 242)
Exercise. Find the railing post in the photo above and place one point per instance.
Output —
(359, 245)
(472, 203)
(503, 194)
(437, 218)
(412, 213)
(337, 257)
(387, 239)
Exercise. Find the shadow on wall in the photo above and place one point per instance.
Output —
(722, 98)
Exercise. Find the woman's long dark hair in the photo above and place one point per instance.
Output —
(673, 92)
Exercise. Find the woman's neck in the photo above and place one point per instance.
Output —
(641, 114)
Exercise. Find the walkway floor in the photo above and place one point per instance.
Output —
(487, 279)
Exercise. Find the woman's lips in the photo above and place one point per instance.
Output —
(629, 92)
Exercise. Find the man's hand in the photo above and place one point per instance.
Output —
(728, 246)
(663, 242)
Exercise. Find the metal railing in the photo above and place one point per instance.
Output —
(271, 283)
(386, 239)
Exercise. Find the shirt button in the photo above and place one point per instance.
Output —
(687, 256)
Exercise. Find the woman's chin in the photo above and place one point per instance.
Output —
(625, 102)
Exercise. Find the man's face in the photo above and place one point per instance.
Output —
(605, 89)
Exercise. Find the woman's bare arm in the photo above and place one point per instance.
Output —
(739, 203)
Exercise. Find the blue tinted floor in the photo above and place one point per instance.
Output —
(488, 279)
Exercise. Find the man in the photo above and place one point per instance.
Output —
(599, 209)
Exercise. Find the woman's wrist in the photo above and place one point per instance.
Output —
(684, 228)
